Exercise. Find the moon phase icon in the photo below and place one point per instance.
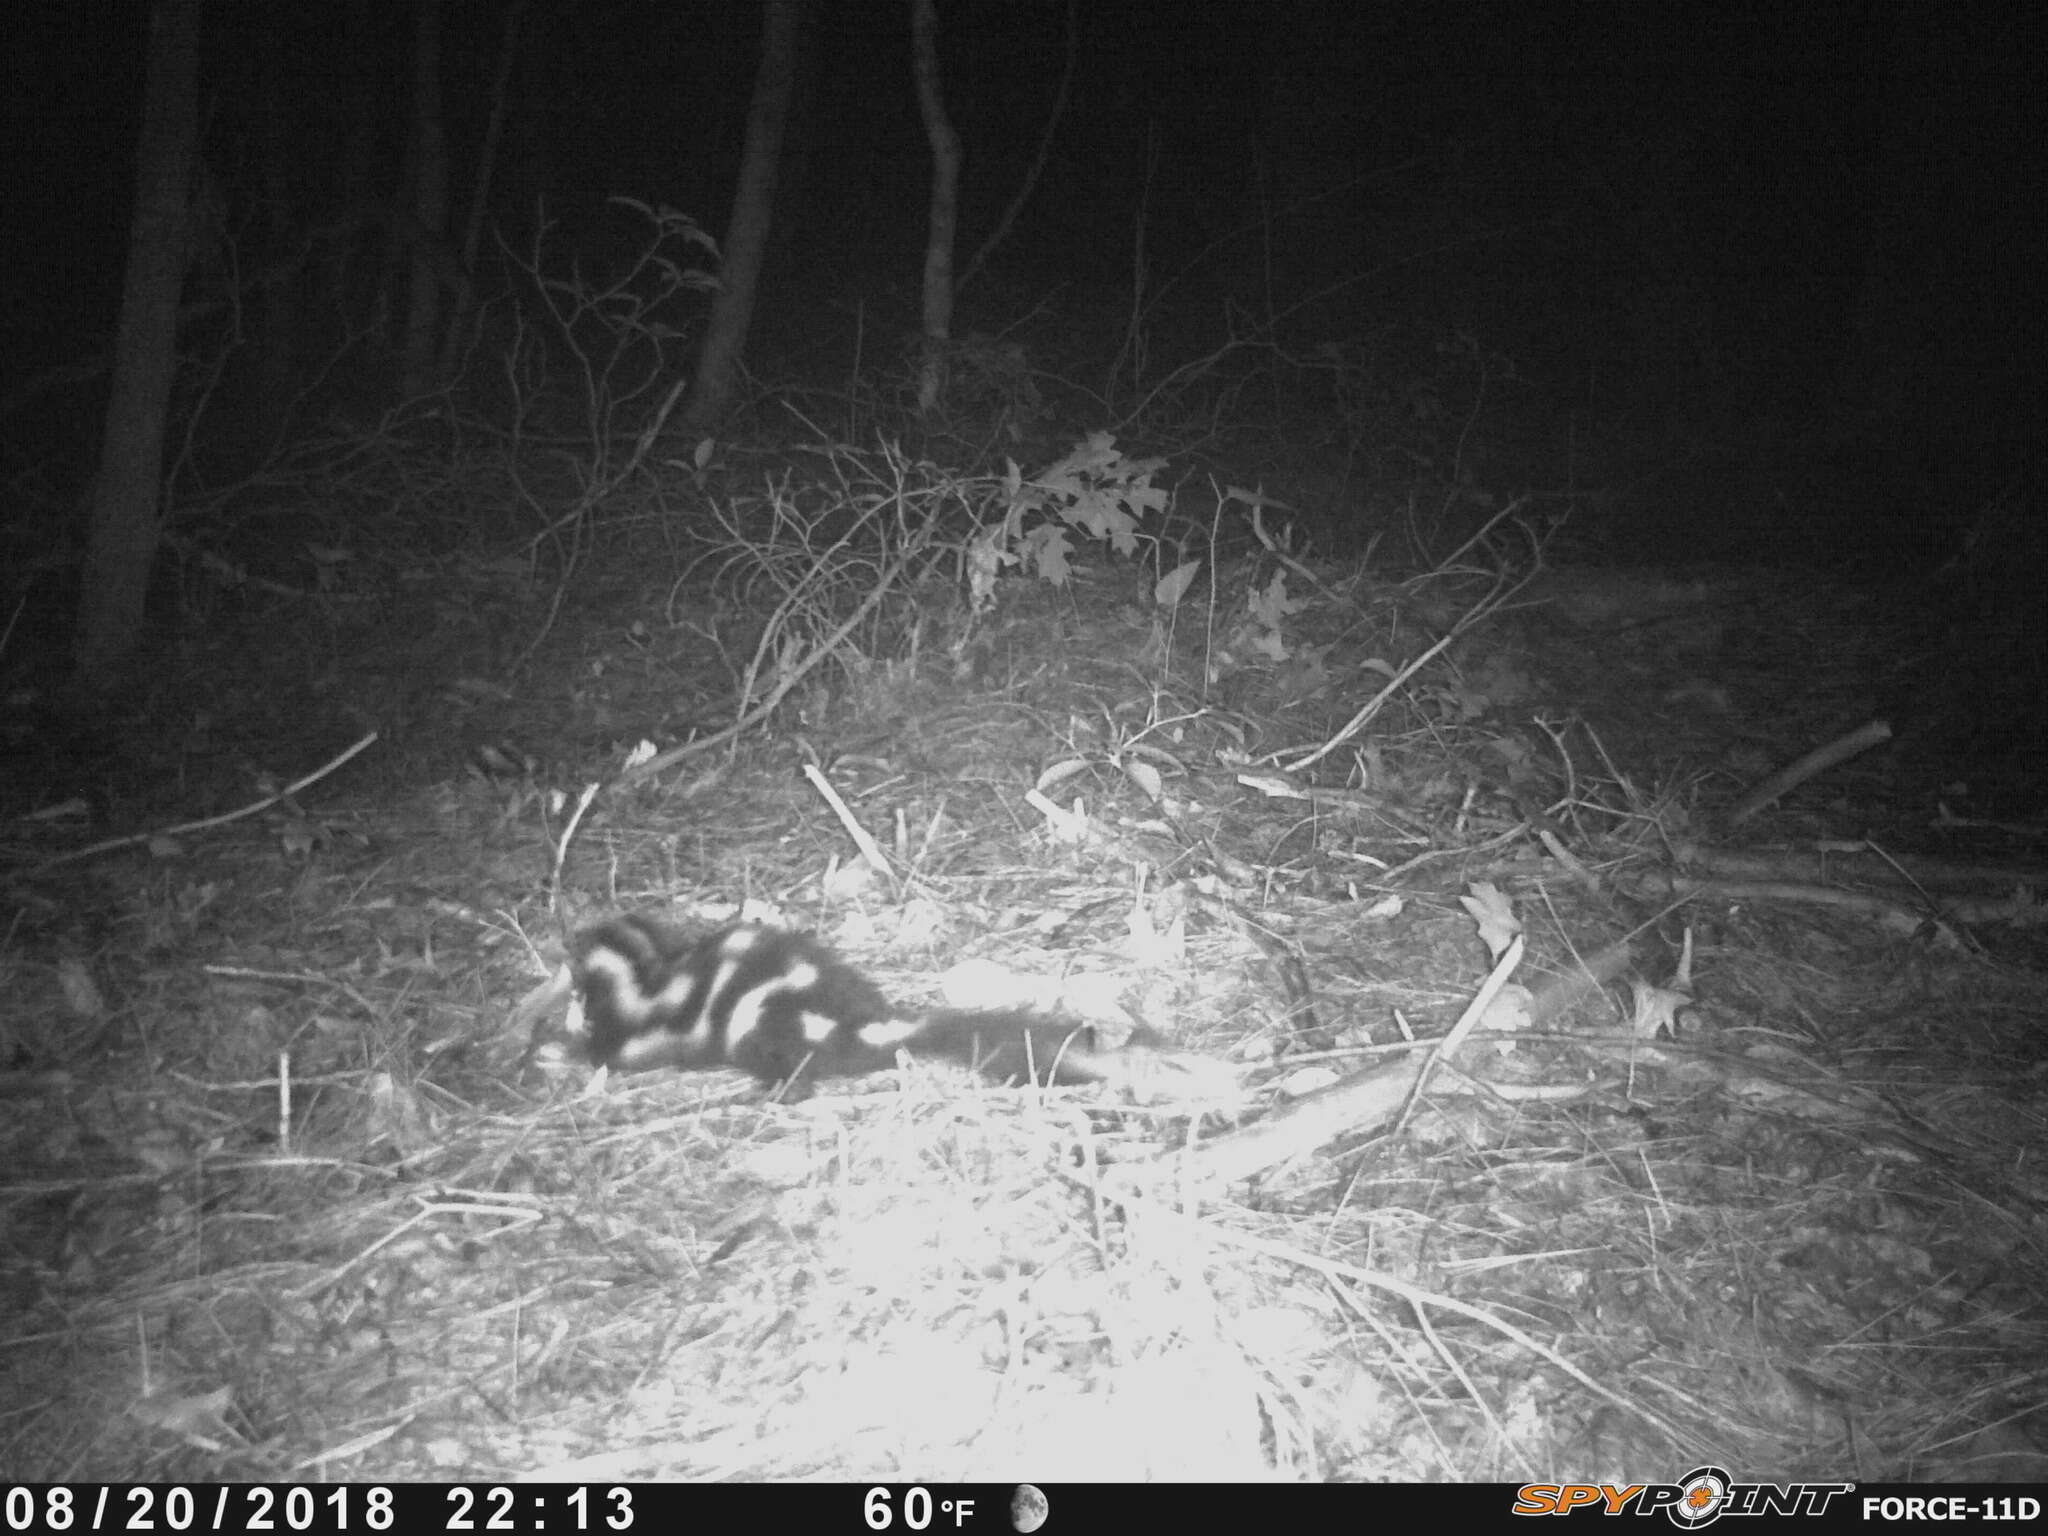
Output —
(1028, 1509)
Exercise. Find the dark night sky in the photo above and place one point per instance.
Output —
(1623, 199)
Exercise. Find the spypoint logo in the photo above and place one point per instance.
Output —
(1695, 1501)
(1702, 1497)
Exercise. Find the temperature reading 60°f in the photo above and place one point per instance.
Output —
(918, 1509)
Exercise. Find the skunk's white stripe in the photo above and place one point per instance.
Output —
(575, 1022)
(732, 954)
(748, 1007)
(818, 1027)
(635, 1007)
(657, 1049)
(888, 1034)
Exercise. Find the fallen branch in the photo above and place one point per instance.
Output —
(1818, 761)
(211, 821)
(1362, 1101)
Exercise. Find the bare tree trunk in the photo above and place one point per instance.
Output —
(793, 168)
(127, 517)
(278, 281)
(332, 302)
(746, 233)
(945, 203)
(480, 195)
(429, 200)
(1029, 184)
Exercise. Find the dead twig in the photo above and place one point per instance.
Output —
(211, 821)
(1818, 761)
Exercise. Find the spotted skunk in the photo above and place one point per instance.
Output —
(785, 1008)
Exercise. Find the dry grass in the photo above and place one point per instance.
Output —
(1804, 1240)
